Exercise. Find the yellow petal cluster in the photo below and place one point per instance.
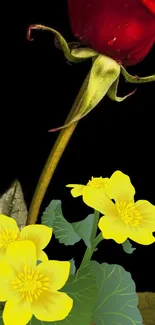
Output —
(122, 217)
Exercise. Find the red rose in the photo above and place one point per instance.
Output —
(121, 29)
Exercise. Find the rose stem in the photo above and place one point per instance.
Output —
(54, 157)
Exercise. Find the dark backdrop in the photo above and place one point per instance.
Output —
(37, 91)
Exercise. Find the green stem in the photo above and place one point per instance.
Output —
(95, 225)
(89, 251)
(98, 239)
(95, 241)
(54, 158)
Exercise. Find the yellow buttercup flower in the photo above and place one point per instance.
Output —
(123, 217)
(97, 186)
(9, 232)
(31, 289)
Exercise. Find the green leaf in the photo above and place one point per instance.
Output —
(82, 289)
(117, 300)
(63, 230)
(102, 75)
(72, 267)
(136, 79)
(35, 321)
(127, 247)
(84, 229)
(112, 92)
(12, 204)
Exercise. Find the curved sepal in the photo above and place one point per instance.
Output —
(136, 79)
(112, 92)
(59, 38)
(84, 53)
(102, 75)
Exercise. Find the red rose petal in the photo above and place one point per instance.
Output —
(121, 29)
(150, 4)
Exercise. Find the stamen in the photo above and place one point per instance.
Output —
(97, 182)
(30, 283)
(128, 213)
(6, 237)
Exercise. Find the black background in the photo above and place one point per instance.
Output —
(38, 88)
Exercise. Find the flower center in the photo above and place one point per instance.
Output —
(6, 237)
(97, 182)
(30, 284)
(128, 213)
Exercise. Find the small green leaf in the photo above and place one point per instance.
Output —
(63, 230)
(112, 92)
(35, 321)
(117, 300)
(72, 267)
(84, 229)
(127, 247)
(136, 79)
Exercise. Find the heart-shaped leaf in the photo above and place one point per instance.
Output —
(63, 230)
(84, 229)
(117, 300)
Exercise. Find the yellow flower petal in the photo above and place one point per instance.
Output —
(147, 213)
(21, 253)
(56, 271)
(120, 187)
(6, 275)
(7, 222)
(97, 199)
(54, 306)
(17, 312)
(77, 189)
(42, 256)
(9, 232)
(39, 234)
(141, 236)
(113, 229)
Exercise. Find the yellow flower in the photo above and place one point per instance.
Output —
(123, 217)
(9, 232)
(31, 289)
(97, 186)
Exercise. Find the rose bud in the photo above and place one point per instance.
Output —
(121, 29)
